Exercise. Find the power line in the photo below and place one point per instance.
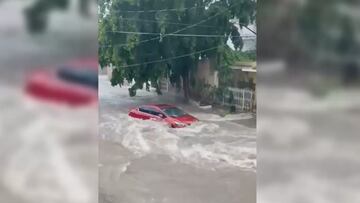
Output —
(151, 11)
(171, 58)
(247, 37)
(177, 23)
(248, 28)
(166, 22)
(180, 30)
(177, 31)
(179, 35)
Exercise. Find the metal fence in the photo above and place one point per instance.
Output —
(243, 99)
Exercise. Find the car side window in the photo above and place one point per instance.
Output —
(145, 110)
(154, 112)
(151, 111)
(142, 109)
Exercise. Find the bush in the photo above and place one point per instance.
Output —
(132, 92)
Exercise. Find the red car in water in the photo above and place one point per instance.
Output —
(172, 115)
(74, 83)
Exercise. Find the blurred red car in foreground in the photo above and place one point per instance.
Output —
(74, 83)
(173, 116)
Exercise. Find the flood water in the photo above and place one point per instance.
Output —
(146, 161)
(48, 152)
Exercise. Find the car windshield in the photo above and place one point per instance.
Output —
(174, 112)
(85, 77)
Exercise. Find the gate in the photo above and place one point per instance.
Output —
(242, 98)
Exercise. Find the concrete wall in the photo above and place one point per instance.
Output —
(106, 71)
(109, 71)
(102, 71)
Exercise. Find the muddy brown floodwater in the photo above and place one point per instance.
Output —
(144, 161)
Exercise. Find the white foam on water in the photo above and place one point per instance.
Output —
(124, 167)
(203, 144)
(220, 155)
(199, 127)
(135, 140)
(213, 142)
(230, 117)
(283, 131)
(309, 187)
(37, 166)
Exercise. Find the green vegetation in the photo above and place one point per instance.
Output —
(246, 56)
(146, 58)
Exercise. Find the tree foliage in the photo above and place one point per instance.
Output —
(132, 54)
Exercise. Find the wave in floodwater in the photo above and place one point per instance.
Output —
(231, 117)
(204, 144)
(39, 147)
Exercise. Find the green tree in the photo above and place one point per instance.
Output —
(132, 54)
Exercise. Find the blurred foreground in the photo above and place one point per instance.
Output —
(308, 102)
(48, 153)
(48, 150)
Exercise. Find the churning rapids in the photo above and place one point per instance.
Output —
(214, 142)
(213, 160)
(48, 152)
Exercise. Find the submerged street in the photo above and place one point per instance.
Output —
(146, 161)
